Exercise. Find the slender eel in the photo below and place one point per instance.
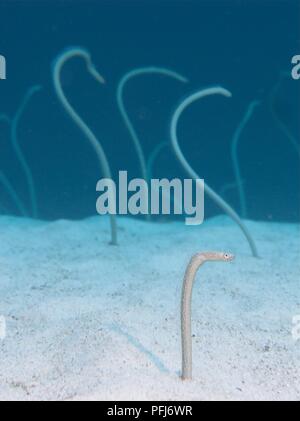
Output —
(186, 303)
(18, 151)
(235, 159)
(189, 170)
(6, 183)
(102, 159)
(120, 93)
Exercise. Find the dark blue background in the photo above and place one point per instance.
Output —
(242, 45)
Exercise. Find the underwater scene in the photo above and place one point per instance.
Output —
(149, 200)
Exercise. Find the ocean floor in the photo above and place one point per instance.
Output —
(90, 321)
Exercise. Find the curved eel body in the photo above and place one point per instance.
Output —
(215, 90)
(186, 303)
(60, 61)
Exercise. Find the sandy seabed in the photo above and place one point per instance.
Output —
(89, 321)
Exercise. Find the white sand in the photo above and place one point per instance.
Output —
(86, 320)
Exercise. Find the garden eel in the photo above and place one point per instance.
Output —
(94, 142)
(235, 159)
(186, 301)
(6, 183)
(18, 151)
(215, 90)
(120, 93)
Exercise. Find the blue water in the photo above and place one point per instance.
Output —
(241, 45)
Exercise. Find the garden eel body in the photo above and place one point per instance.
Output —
(186, 302)
(128, 124)
(60, 61)
(6, 183)
(26, 168)
(234, 156)
(189, 170)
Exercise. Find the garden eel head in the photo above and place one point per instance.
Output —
(216, 255)
(227, 257)
(92, 69)
(94, 72)
(74, 51)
